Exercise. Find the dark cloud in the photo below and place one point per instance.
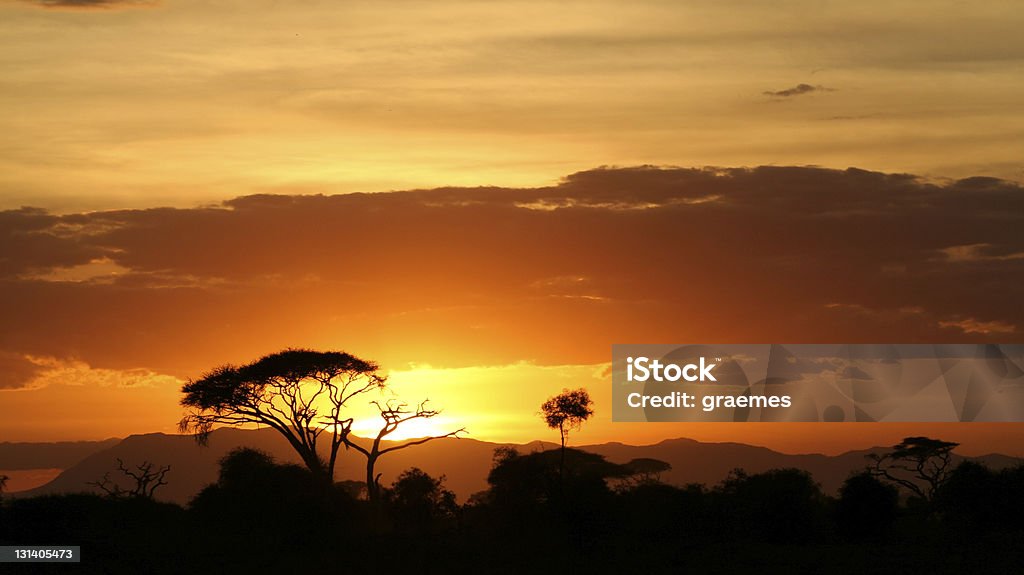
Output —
(16, 370)
(555, 274)
(31, 239)
(796, 91)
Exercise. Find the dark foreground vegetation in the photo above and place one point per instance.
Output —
(540, 515)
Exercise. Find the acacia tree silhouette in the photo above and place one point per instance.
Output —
(643, 471)
(3, 485)
(920, 464)
(394, 414)
(146, 476)
(299, 393)
(565, 411)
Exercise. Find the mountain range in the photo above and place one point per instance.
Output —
(59, 454)
(464, 462)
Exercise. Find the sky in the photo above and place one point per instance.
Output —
(112, 103)
(484, 197)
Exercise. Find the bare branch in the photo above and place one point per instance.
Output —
(393, 413)
(918, 464)
(147, 480)
(423, 440)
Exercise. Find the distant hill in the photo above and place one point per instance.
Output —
(465, 462)
(60, 455)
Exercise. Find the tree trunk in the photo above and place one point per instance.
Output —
(317, 467)
(561, 461)
(372, 489)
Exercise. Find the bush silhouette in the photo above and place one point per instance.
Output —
(779, 505)
(976, 499)
(124, 535)
(658, 512)
(867, 506)
(258, 507)
(419, 502)
(534, 492)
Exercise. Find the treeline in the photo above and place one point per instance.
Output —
(543, 512)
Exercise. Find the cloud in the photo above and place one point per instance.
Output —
(32, 240)
(973, 326)
(96, 270)
(16, 370)
(973, 253)
(468, 276)
(91, 4)
(66, 398)
(797, 90)
(919, 314)
(20, 371)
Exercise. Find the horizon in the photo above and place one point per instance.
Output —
(29, 481)
(543, 442)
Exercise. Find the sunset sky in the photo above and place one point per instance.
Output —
(484, 197)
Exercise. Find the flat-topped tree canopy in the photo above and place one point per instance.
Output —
(298, 392)
(218, 388)
(300, 364)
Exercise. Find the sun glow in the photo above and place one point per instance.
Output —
(412, 429)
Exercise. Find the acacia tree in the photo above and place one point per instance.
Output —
(299, 393)
(920, 464)
(146, 476)
(565, 411)
(394, 414)
(644, 471)
(3, 485)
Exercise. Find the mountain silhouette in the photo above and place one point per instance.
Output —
(59, 454)
(464, 462)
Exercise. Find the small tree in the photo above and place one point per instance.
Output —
(3, 485)
(394, 415)
(299, 393)
(145, 478)
(920, 464)
(565, 411)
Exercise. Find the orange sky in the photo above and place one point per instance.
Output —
(487, 301)
(490, 299)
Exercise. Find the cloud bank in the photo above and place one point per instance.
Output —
(489, 276)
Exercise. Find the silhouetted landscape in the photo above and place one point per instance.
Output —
(465, 462)
(306, 494)
(460, 505)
